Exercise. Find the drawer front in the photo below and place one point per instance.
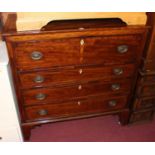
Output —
(97, 104)
(142, 116)
(46, 78)
(40, 54)
(64, 52)
(111, 50)
(46, 95)
(146, 90)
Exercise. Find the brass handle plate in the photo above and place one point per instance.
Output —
(43, 112)
(40, 96)
(118, 71)
(115, 87)
(38, 79)
(36, 55)
(112, 103)
(122, 49)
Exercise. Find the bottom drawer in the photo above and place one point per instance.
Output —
(88, 106)
(142, 116)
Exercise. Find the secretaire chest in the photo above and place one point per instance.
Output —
(75, 69)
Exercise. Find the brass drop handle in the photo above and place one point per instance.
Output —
(118, 71)
(112, 103)
(36, 55)
(122, 49)
(43, 112)
(40, 96)
(115, 87)
(38, 79)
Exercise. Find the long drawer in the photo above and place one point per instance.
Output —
(49, 94)
(49, 77)
(97, 104)
(65, 52)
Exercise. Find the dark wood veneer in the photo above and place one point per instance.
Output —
(77, 61)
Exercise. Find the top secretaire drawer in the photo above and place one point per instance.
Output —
(108, 50)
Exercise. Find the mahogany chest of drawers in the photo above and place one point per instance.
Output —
(75, 69)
